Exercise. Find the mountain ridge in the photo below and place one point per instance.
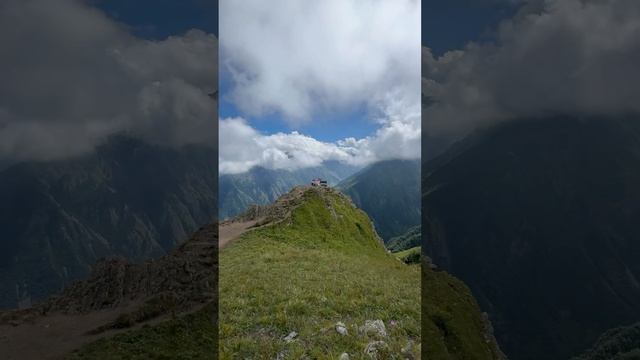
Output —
(260, 186)
(126, 310)
(389, 191)
(319, 263)
(127, 198)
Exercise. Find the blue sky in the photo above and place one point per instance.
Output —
(450, 24)
(446, 25)
(157, 19)
(303, 82)
(326, 126)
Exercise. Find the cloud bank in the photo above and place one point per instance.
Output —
(242, 147)
(299, 59)
(72, 77)
(575, 57)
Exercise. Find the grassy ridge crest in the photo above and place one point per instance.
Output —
(321, 265)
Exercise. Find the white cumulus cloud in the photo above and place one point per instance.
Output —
(555, 57)
(242, 147)
(297, 60)
(71, 76)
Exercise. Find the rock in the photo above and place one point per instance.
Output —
(341, 328)
(376, 348)
(344, 356)
(289, 338)
(408, 350)
(374, 327)
(180, 280)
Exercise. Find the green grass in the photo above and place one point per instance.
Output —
(323, 266)
(452, 326)
(191, 336)
(410, 239)
(304, 274)
(152, 308)
(410, 256)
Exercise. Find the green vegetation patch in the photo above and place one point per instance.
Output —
(453, 328)
(621, 343)
(408, 240)
(152, 308)
(410, 256)
(191, 336)
(322, 266)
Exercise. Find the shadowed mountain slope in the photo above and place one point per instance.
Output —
(539, 218)
(161, 308)
(125, 199)
(622, 343)
(452, 320)
(389, 191)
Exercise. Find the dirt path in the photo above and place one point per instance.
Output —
(54, 336)
(230, 231)
(277, 211)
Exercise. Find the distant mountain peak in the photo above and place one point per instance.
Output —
(389, 191)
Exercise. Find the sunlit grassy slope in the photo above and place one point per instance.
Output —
(410, 256)
(322, 265)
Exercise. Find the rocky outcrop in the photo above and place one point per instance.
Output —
(178, 281)
(274, 212)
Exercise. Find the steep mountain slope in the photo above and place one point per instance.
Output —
(317, 262)
(163, 308)
(621, 343)
(262, 186)
(389, 191)
(452, 318)
(127, 198)
(410, 256)
(539, 219)
(408, 240)
(314, 260)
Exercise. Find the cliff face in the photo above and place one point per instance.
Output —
(538, 218)
(126, 199)
(453, 326)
